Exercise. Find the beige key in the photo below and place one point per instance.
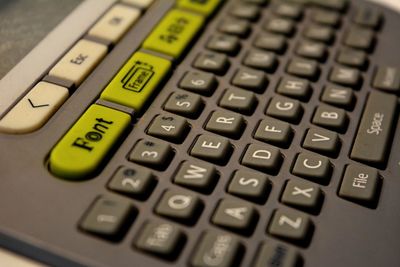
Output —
(113, 25)
(33, 110)
(76, 65)
(139, 3)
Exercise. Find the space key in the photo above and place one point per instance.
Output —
(375, 131)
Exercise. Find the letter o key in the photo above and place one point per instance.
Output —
(179, 202)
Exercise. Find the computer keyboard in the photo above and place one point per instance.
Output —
(212, 133)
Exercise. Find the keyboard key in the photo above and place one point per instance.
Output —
(295, 88)
(292, 226)
(212, 62)
(139, 3)
(250, 79)
(83, 149)
(156, 155)
(313, 167)
(272, 42)
(199, 82)
(304, 68)
(169, 127)
(246, 11)
(312, 50)
(361, 185)
(319, 33)
(271, 254)
(217, 249)
(226, 123)
(286, 109)
(280, 26)
(346, 76)
(136, 81)
(360, 38)
(211, 148)
(322, 141)
(226, 44)
(136, 182)
(288, 10)
(185, 104)
(198, 176)
(207, 8)
(236, 215)
(338, 96)
(161, 239)
(275, 132)
(109, 218)
(325, 17)
(179, 206)
(302, 195)
(174, 33)
(353, 58)
(239, 100)
(387, 79)
(264, 158)
(236, 27)
(331, 118)
(266, 61)
(249, 185)
(374, 135)
(367, 17)
(336, 5)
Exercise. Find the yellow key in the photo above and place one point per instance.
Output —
(204, 7)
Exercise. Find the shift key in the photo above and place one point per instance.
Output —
(374, 135)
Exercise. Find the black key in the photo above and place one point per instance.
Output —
(156, 155)
(236, 215)
(169, 127)
(226, 123)
(346, 76)
(312, 50)
(288, 10)
(135, 182)
(250, 79)
(325, 17)
(302, 195)
(161, 239)
(109, 218)
(275, 132)
(375, 132)
(295, 88)
(236, 27)
(387, 79)
(367, 17)
(353, 58)
(322, 141)
(217, 249)
(246, 11)
(319, 33)
(361, 185)
(331, 118)
(266, 61)
(337, 5)
(239, 100)
(179, 206)
(286, 109)
(185, 104)
(223, 43)
(199, 82)
(212, 148)
(271, 255)
(198, 176)
(281, 26)
(272, 42)
(212, 62)
(360, 38)
(313, 167)
(338, 96)
(304, 68)
(264, 158)
(250, 185)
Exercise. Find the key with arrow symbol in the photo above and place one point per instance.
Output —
(37, 106)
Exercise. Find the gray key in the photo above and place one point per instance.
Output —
(322, 141)
(312, 50)
(235, 215)
(185, 104)
(236, 27)
(360, 38)
(281, 26)
(332, 118)
(373, 139)
(266, 61)
(246, 11)
(387, 79)
(109, 218)
(367, 17)
(239, 100)
(264, 158)
(179, 206)
(324, 17)
(313, 167)
(319, 33)
(294, 87)
(338, 96)
(352, 58)
(161, 239)
(291, 225)
(226, 123)
(288, 10)
(156, 155)
(250, 79)
(250, 185)
(276, 255)
(136, 182)
(169, 127)
(286, 109)
(272, 42)
(302, 195)
(345, 76)
(361, 185)
(217, 249)
(337, 5)
(305, 68)
(212, 148)
(197, 176)
(199, 82)
(223, 43)
(212, 62)
(275, 132)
